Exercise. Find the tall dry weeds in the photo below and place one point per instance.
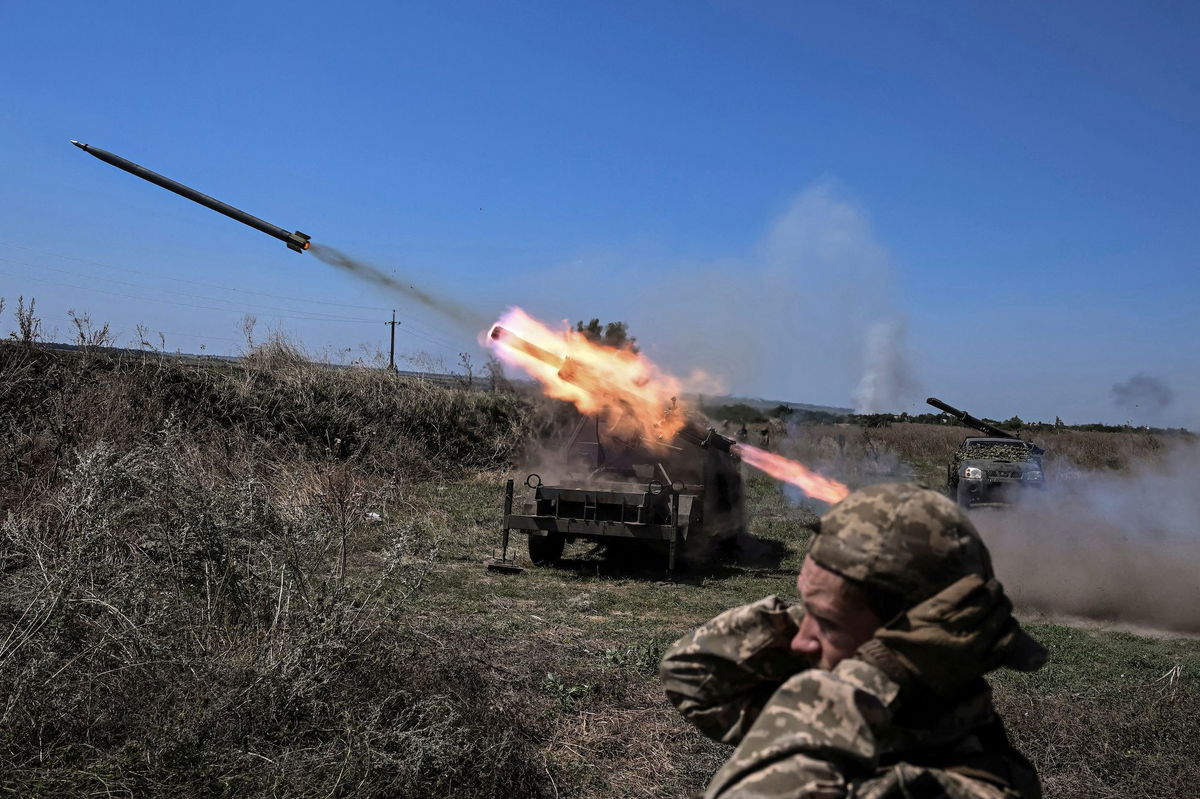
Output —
(183, 610)
(908, 451)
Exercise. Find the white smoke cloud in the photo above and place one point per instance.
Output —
(887, 372)
(1120, 546)
(822, 258)
(790, 320)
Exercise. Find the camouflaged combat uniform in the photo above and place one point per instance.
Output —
(807, 732)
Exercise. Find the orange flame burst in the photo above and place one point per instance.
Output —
(790, 471)
(596, 378)
(592, 376)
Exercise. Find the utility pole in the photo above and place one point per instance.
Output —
(392, 348)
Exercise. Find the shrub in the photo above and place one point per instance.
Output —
(183, 610)
(279, 405)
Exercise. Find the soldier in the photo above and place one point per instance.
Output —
(872, 686)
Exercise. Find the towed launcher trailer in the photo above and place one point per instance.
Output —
(684, 497)
(655, 515)
(682, 490)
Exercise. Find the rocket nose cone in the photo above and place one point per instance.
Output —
(80, 145)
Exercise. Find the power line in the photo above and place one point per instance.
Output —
(167, 291)
(186, 280)
(198, 335)
(431, 334)
(407, 331)
(143, 298)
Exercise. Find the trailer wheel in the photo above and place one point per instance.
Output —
(546, 550)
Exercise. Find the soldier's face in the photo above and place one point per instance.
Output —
(837, 618)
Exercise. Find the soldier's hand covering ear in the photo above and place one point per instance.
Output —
(721, 675)
(939, 646)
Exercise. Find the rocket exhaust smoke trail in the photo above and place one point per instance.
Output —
(467, 317)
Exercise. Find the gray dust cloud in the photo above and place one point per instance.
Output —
(471, 320)
(1119, 547)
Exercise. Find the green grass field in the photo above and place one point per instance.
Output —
(269, 580)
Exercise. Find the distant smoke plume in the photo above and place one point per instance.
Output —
(1115, 546)
(787, 320)
(887, 377)
(470, 319)
(1142, 392)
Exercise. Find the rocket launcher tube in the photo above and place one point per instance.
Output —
(579, 375)
(717, 441)
(513, 341)
(968, 419)
(296, 241)
(568, 370)
(977, 423)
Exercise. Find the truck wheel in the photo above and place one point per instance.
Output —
(546, 550)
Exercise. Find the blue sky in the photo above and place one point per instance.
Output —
(991, 203)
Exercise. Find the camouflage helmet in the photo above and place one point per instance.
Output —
(902, 538)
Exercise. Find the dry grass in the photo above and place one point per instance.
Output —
(185, 607)
(279, 406)
(628, 740)
(194, 600)
(922, 451)
(1082, 745)
(1111, 715)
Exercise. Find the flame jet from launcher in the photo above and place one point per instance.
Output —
(588, 381)
(592, 377)
(295, 241)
